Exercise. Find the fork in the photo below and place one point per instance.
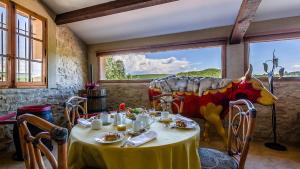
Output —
(125, 142)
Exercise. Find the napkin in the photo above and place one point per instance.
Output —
(84, 123)
(142, 139)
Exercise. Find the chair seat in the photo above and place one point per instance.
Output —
(214, 159)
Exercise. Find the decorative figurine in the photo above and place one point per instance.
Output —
(274, 145)
(208, 98)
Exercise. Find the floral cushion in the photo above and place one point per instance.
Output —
(214, 159)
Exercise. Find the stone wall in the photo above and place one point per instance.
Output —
(133, 94)
(71, 75)
(288, 114)
(288, 108)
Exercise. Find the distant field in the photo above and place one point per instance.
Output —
(148, 76)
(286, 74)
(201, 73)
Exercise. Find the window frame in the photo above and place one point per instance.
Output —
(7, 83)
(11, 82)
(269, 37)
(221, 42)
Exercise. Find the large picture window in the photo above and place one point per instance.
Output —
(199, 62)
(287, 51)
(22, 47)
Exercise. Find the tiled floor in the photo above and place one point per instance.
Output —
(259, 157)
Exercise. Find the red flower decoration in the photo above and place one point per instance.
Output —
(122, 107)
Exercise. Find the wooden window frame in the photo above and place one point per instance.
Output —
(269, 37)
(221, 42)
(7, 83)
(11, 82)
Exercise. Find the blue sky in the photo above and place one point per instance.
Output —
(199, 59)
(288, 52)
(172, 62)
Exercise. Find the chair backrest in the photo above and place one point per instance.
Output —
(167, 100)
(74, 107)
(33, 148)
(241, 129)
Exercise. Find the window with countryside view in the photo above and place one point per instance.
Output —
(201, 62)
(288, 52)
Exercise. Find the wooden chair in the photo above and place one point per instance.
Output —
(33, 148)
(76, 107)
(240, 132)
(167, 100)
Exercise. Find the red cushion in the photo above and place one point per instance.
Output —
(8, 116)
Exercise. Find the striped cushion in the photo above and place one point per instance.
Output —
(214, 159)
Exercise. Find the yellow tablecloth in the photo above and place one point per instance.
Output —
(173, 149)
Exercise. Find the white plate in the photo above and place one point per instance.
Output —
(165, 120)
(189, 126)
(103, 141)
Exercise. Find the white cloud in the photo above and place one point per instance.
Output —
(297, 66)
(139, 64)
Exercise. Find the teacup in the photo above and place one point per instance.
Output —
(137, 126)
(164, 115)
(96, 124)
(145, 119)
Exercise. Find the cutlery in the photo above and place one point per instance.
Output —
(125, 142)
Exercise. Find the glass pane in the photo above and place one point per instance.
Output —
(2, 69)
(22, 70)
(22, 46)
(286, 51)
(22, 23)
(3, 22)
(37, 28)
(199, 62)
(3, 42)
(37, 50)
(36, 72)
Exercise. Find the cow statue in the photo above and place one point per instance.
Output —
(208, 98)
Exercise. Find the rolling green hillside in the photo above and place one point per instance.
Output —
(147, 76)
(202, 73)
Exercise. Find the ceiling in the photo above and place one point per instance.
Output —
(62, 6)
(273, 9)
(174, 17)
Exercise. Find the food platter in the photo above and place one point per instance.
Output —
(102, 138)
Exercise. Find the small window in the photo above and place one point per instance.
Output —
(287, 52)
(199, 62)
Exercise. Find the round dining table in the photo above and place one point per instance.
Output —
(172, 149)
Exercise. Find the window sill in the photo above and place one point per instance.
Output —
(126, 81)
(21, 85)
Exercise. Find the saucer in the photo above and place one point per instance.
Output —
(165, 120)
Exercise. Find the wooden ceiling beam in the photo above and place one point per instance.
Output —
(109, 8)
(245, 17)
